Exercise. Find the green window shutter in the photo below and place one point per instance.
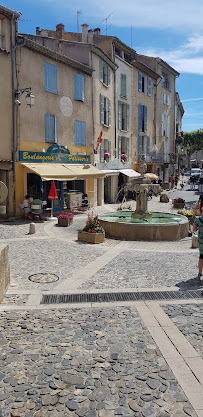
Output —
(108, 76)
(119, 115)
(109, 112)
(128, 147)
(123, 85)
(109, 147)
(119, 148)
(102, 151)
(101, 70)
(101, 109)
(128, 117)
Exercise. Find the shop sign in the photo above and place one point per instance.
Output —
(55, 153)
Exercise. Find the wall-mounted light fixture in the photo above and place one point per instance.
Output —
(29, 98)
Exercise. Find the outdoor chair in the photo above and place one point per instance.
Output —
(37, 209)
(23, 213)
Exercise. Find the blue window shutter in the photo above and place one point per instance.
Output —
(77, 133)
(79, 87)
(50, 78)
(148, 145)
(149, 86)
(55, 129)
(83, 133)
(109, 112)
(139, 81)
(101, 109)
(102, 151)
(128, 147)
(128, 117)
(139, 145)
(108, 76)
(47, 128)
(119, 115)
(140, 117)
(119, 148)
(145, 119)
(101, 70)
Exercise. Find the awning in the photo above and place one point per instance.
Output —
(110, 172)
(64, 172)
(130, 173)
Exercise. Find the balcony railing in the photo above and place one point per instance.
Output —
(156, 157)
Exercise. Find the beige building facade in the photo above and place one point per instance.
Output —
(8, 28)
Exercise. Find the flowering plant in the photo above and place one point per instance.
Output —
(178, 200)
(107, 155)
(129, 207)
(124, 156)
(186, 213)
(196, 205)
(93, 225)
(66, 215)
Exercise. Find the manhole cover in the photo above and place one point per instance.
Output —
(43, 277)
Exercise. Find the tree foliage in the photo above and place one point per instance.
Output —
(193, 141)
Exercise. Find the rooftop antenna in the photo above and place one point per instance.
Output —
(79, 12)
(131, 35)
(107, 19)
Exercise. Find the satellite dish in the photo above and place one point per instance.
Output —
(3, 192)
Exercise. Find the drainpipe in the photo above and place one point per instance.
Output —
(115, 101)
(93, 125)
(13, 109)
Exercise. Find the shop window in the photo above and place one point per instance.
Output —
(80, 133)
(50, 78)
(50, 128)
(123, 116)
(79, 87)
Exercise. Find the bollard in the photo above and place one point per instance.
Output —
(194, 241)
(32, 229)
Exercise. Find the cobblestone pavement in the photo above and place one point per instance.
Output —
(73, 361)
(189, 320)
(100, 362)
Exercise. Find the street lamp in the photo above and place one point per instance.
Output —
(29, 98)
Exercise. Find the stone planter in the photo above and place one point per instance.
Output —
(65, 222)
(91, 237)
(164, 199)
(178, 206)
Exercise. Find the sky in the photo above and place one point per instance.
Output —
(170, 29)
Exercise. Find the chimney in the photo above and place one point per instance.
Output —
(90, 36)
(37, 30)
(60, 31)
(97, 31)
(84, 32)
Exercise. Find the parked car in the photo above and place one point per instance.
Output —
(195, 172)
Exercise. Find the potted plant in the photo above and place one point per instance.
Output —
(65, 219)
(164, 198)
(107, 156)
(92, 232)
(124, 157)
(178, 203)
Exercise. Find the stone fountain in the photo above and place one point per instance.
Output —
(141, 224)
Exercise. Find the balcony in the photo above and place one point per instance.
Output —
(157, 158)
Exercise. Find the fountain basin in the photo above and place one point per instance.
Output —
(160, 226)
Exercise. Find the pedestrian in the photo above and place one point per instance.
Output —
(198, 225)
(172, 181)
(182, 185)
(176, 181)
(169, 183)
(192, 183)
(200, 201)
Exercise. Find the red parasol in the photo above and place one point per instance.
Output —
(52, 192)
(52, 196)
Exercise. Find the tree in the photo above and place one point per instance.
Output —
(193, 141)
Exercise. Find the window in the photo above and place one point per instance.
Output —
(123, 85)
(50, 77)
(104, 73)
(142, 118)
(79, 87)
(165, 125)
(123, 148)
(165, 81)
(80, 133)
(105, 110)
(123, 116)
(144, 147)
(50, 128)
(144, 84)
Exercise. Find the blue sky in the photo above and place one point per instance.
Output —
(170, 29)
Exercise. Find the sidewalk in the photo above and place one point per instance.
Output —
(99, 359)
